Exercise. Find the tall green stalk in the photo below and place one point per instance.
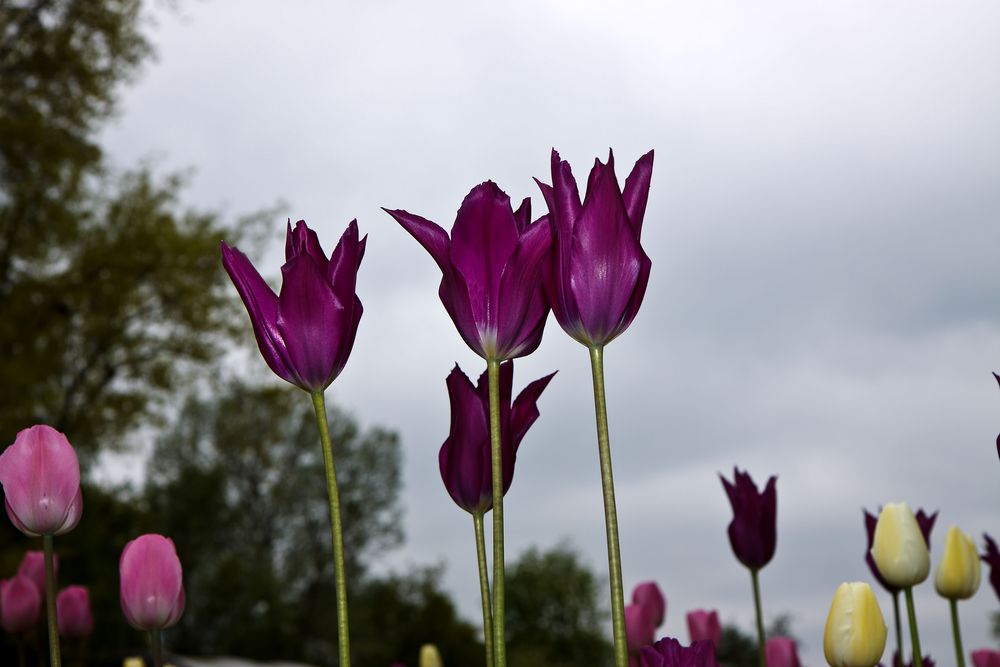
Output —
(899, 630)
(336, 531)
(761, 659)
(918, 659)
(484, 587)
(496, 460)
(610, 511)
(157, 648)
(956, 632)
(50, 602)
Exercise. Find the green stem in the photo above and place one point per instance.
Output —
(50, 602)
(484, 587)
(336, 531)
(918, 660)
(957, 634)
(610, 512)
(499, 643)
(899, 630)
(157, 648)
(761, 660)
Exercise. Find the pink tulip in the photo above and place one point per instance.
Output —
(152, 585)
(649, 596)
(76, 620)
(20, 605)
(704, 625)
(33, 566)
(639, 630)
(780, 652)
(41, 479)
(986, 657)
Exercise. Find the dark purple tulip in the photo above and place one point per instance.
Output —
(491, 271)
(306, 332)
(753, 531)
(992, 558)
(598, 272)
(924, 520)
(649, 596)
(927, 661)
(668, 652)
(639, 628)
(465, 456)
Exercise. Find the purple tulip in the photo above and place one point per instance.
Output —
(598, 271)
(668, 652)
(33, 566)
(986, 657)
(75, 619)
(752, 532)
(781, 652)
(152, 585)
(20, 605)
(639, 629)
(41, 479)
(491, 271)
(465, 456)
(992, 558)
(924, 520)
(704, 625)
(306, 332)
(998, 436)
(927, 661)
(649, 596)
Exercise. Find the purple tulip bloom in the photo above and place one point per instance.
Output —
(649, 596)
(992, 558)
(668, 652)
(491, 271)
(465, 456)
(73, 613)
(752, 532)
(639, 628)
(599, 271)
(704, 625)
(927, 661)
(20, 605)
(41, 479)
(781, 652)
(998, 436)
(33, 566)
(152, 583)
(306, 332)
(924, 520)
(986, 657)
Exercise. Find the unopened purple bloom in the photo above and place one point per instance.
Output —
(639, 628)
(924, 520)
(306, 332)
(33, 566)
(20, 605)
(781, 652)
(753, 530)
(598, 273)
(465, 456)
(73, 613)
(41, 481)
(649, 596)
(668, 652)
(927, 661)
(152, 583)
(704, 625)
(992, 558)
(491, 271)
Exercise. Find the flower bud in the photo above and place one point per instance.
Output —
(986, 657)
(957, 576)
(639, 629)
(74, 617)
(152, 587)
(20, 605)
(649, 596)
(855, 631)
(430, 657)
(704, 625)
(41, 480)
(898, 547)
(781, 652)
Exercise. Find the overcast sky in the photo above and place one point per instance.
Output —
(823, 226)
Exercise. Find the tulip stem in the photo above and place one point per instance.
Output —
(336, 531)
(761, 660)
(610, 511)
(499, 643)
(50, 602)
(156, 646)
(484, 587)
(21, 657)
(918, 660)
(898, 661)
(957, 633)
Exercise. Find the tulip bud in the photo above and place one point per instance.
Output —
(639, 630)
(20, 605)
(704, 625)
(649, 596)
(152, 587)
(898, 547)
(957, 576)
(430, 657)
(855, 631)
(781, 652)
(41, 480)
(33, 566)
(75, 619)
(986, 657)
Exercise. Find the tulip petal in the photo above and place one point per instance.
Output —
(342, 271)
(41, 478)
(464, 456)
(522, 294)
(636, 191)
(523, 214)
(304, 240)
(431, 236)
(524, 412)
(566, 196)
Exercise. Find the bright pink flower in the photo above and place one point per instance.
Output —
(76, 620)
(639, 630)
(33, 566)
(41, 479)
(704, 625)
(649, 596)
(781, 652)
(152, 584)
(986, 657)
(20, 605)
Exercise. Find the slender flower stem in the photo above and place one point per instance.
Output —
(21, 659)
(610, 512)
(484, 587)
(336, 531)
(957, 634)
(50, 602)
(761, 660)
(899, 630)
(157, 647)
(918, 660)
(499, 643)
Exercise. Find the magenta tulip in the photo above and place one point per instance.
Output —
(753, 531)
(649, 596)
(704, 626)
(924, 520)
(41, 479)
(152, 586)
(491, 271)
(992, 558)
(639, 629)
(306, 332)
(926, 661)
(668, 652)
(75, 619)
(781, 652)
(464, 458)
(986, 657)
(598, 272)
(20, 605)
(33, 566)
